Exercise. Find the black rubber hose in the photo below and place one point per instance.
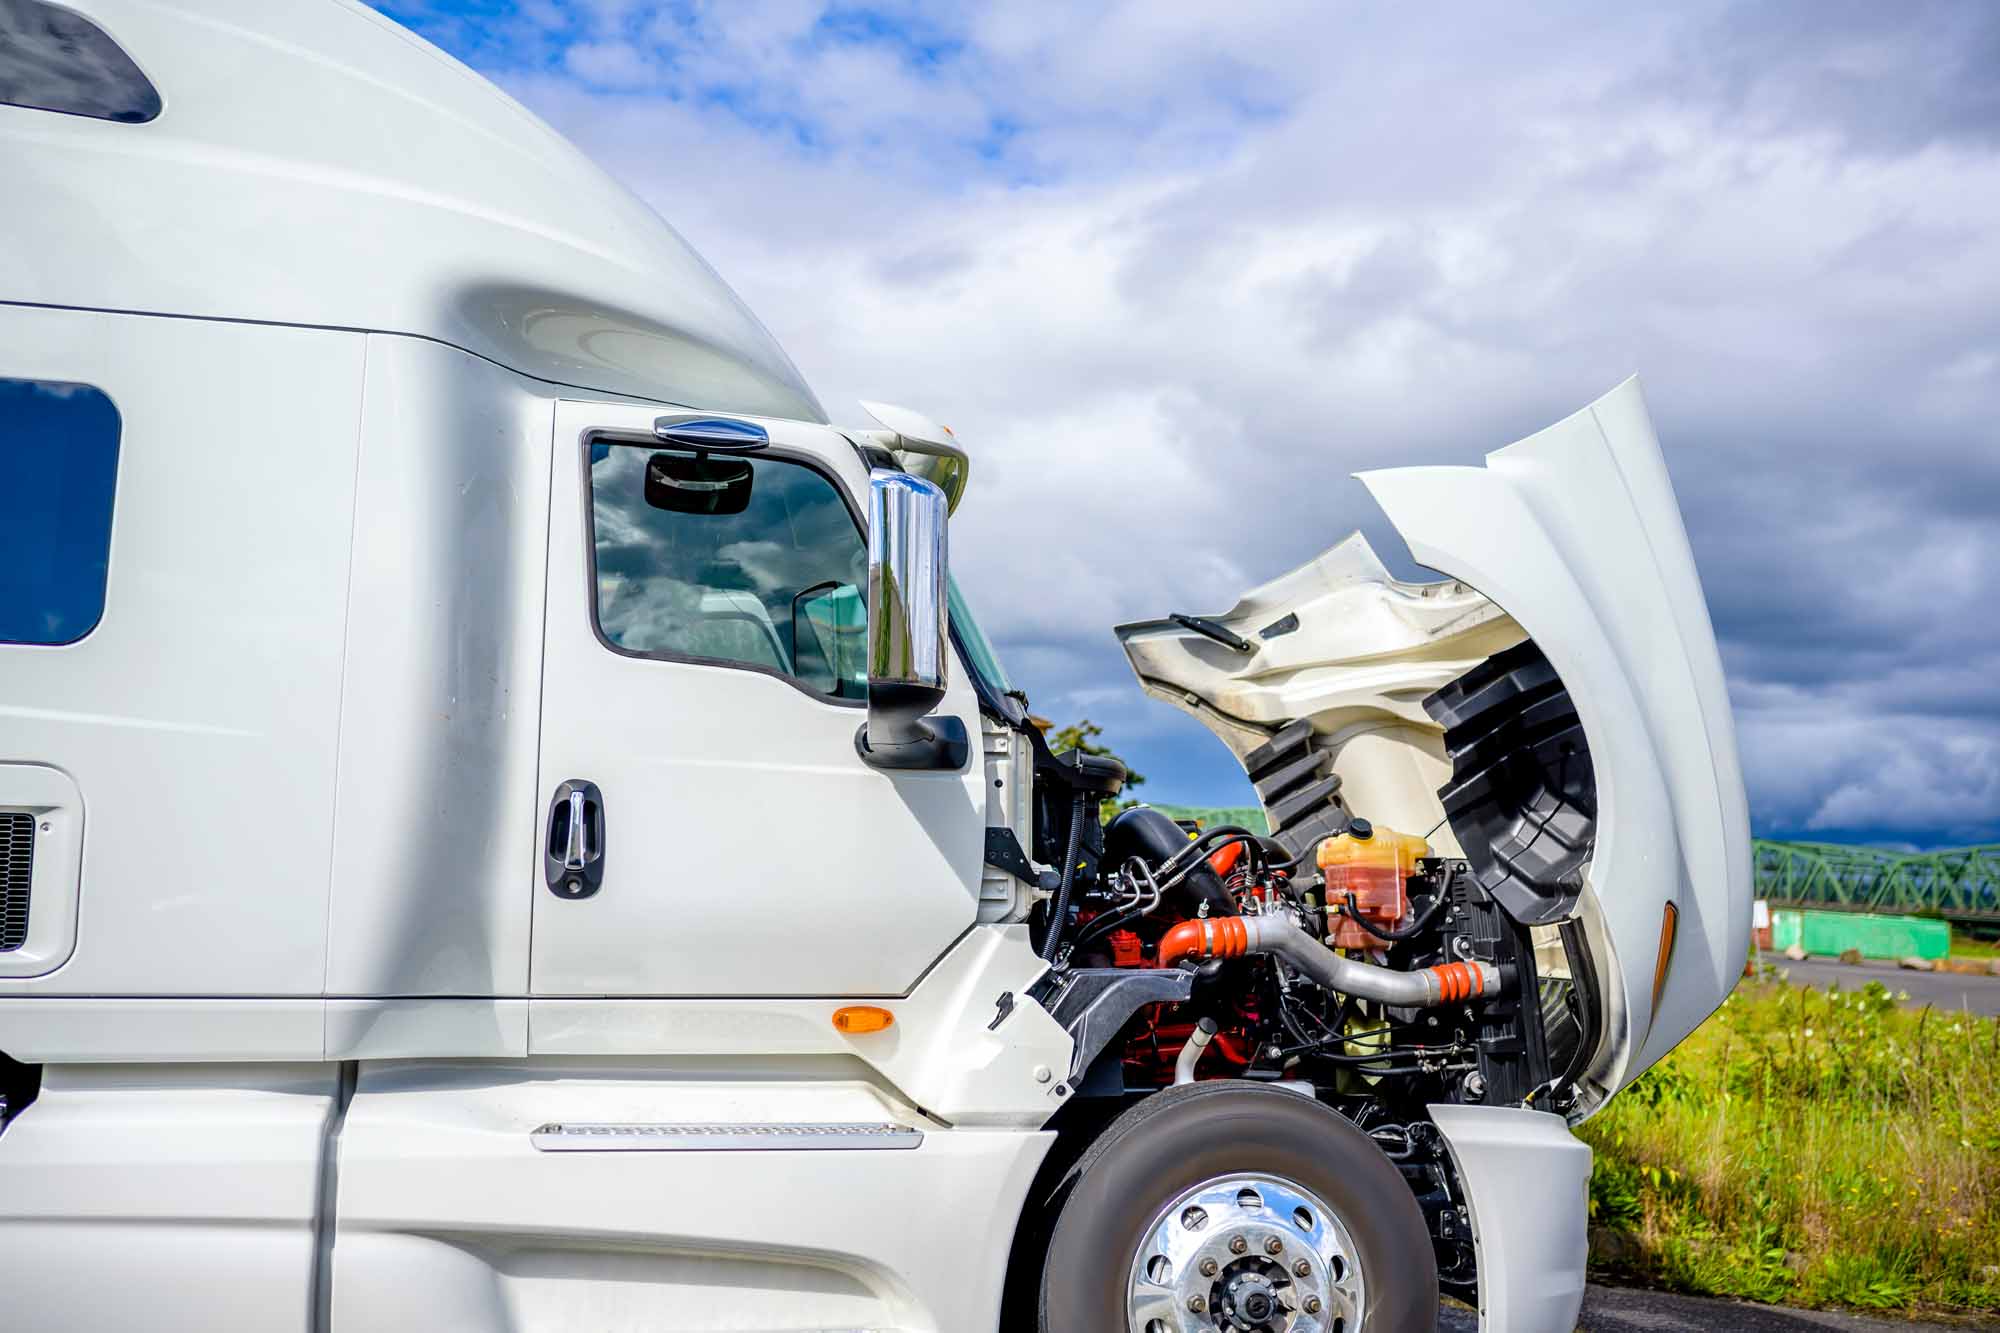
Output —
(1107, 924)
(1222, 833)
(1189, 850)
(1059, 912)
(1277, 858)
(1393, 936)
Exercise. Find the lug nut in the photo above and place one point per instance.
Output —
(1302, 1269)
(1274, 1246)
(1208, 1267)
(1238, 1245)
(1196, 1304)
(1311, 1305)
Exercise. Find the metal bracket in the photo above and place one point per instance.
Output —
(1003, 852)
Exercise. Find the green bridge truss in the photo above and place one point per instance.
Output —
(1960, 883)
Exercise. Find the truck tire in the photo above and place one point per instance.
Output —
(1237, 1206)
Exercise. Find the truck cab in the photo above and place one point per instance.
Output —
(509, 823)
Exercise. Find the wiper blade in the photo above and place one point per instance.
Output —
(1208, 629)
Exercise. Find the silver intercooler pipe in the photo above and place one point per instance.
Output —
(1234, 936)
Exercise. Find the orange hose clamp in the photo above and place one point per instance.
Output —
(1458, 981)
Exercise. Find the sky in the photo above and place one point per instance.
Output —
(1173, 271)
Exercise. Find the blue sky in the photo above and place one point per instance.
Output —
(1118, 246)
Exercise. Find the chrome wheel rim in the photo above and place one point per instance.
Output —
(1245, 1254)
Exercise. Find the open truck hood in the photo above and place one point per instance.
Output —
(1337, 670)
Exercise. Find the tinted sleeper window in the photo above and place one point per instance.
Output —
(752, 562)
(58, 469)
(53, 59)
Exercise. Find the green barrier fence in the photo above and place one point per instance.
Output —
(1830, 934)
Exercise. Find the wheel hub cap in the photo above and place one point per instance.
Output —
(1245, 1254)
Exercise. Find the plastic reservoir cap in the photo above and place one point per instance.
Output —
(856, 1019)
(1360, 830)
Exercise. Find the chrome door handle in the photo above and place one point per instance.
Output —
(573, 853)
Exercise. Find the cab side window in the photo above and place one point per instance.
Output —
(59, 461)
(746, 562)
(52, 59)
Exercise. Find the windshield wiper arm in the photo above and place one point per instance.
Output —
(1208, 629)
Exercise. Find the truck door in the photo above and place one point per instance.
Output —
(708, 826)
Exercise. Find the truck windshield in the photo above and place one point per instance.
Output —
(979, 655)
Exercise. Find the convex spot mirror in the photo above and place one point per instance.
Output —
(698, 483)
(909, 628)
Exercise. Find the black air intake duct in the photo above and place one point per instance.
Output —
(1149, 835)
(1523, 796)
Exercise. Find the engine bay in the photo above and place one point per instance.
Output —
(1347, 962)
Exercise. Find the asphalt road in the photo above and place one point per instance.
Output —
(1946, 990)
(1627, 1310)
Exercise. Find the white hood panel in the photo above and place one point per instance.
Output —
(1364, 652)
(1575, 532)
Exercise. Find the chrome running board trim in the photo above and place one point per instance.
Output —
(726, 1138)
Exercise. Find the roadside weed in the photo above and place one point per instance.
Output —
(1813, 1148)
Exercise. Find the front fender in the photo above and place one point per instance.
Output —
(1526, 1182)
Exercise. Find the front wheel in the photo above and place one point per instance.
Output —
(1228, 1207)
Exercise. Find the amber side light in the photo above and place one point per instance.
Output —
(1669, 923)
(859, 1018)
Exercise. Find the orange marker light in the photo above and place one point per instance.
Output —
(858, 1018)
(1669, 923)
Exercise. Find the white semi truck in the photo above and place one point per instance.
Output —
(508, 824)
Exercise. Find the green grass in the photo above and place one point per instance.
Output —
(1810, 1148)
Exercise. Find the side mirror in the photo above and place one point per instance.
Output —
(909, 629)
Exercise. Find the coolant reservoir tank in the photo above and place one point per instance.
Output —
(1375, 866)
